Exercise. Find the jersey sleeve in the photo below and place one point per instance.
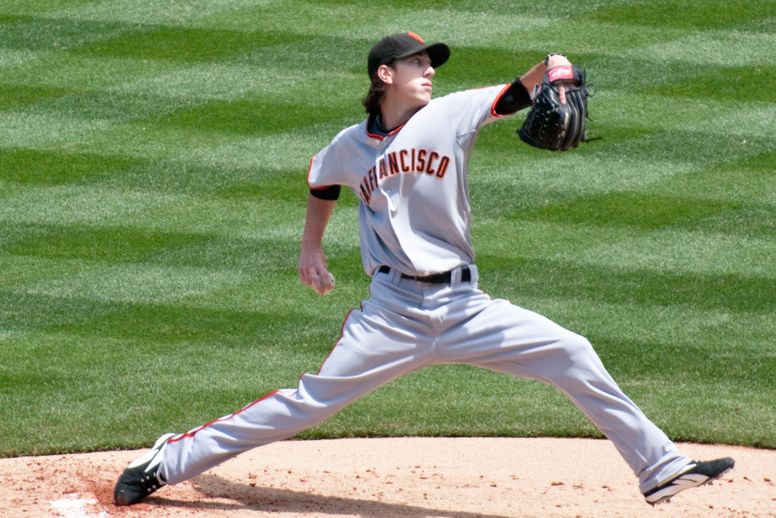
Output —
(321, 173)
(329, 166)
(471, 109)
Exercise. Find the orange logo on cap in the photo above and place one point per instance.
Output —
(415, 37)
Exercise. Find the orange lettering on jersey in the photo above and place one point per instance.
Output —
(433, 156)
(393, 163)
(403, 161)
(402, 156)
(421, 160)
(366, 193)
(372, 179)
(383, 169)
(442, 166)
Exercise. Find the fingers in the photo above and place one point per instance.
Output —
(306, 275)
(313, 271)
(562, 93)
(322, 282)
(318, 278)
(556, 60)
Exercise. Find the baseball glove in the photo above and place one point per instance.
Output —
(554, 125)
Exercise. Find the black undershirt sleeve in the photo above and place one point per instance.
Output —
(514, 99)
(331, 192)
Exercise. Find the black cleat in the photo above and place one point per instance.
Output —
(695, 474)
(142, 477)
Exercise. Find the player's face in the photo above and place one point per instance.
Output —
(412, 79)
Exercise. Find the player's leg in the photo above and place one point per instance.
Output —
(363, 359)
(509, 339)
(378, 343)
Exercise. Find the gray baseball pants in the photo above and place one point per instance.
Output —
(406, 325)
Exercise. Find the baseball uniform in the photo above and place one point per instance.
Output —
(415, 221)
(425, 307)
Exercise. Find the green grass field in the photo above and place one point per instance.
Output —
(153, 159)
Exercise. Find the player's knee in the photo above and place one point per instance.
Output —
(577, 346)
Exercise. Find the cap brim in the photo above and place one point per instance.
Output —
(438, 52)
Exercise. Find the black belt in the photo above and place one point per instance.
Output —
(434, 278)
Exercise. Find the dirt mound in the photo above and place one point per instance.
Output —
(402, 477)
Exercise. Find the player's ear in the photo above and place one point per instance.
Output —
(385, 73)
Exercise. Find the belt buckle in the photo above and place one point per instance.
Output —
(435, 278)
(444, 277)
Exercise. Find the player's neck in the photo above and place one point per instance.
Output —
(393, 115)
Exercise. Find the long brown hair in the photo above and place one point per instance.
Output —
(373, 97)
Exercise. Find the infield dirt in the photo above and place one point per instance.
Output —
(401, 477)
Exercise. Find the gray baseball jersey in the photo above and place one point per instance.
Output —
(414, 211)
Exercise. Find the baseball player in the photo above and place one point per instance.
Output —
(407, 163)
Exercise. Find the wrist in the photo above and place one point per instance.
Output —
(311, 244)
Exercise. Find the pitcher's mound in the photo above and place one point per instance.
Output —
(402, 477)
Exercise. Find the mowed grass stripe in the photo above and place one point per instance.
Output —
(16, 96)
(163, 11)
(116, 245)
(227, 44)
(703, 272)
(632, 283)
(668, 249)
(646, 211)
(167, 88)
(690, 109)
(283, 151)
(718, 330)
(96, 205)
(474, 26)
(471, 27)
(139, 282)
(548, 181)
(234, 212)
(47, 33)
(152, 217)
(279, 152)
(39, 302)
(654, 111)
(719, 47)
(742, 180)
(700, 15)
(51, 167)
(89, 414)
(318, 58)
(20, 129)
(228, 321)
(167, 12)
(685, 114)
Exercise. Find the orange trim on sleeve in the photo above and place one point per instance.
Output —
(493, 112)
(310, 170)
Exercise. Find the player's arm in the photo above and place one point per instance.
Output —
(518, 95)
(313, 271)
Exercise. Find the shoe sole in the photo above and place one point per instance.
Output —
(666, 499)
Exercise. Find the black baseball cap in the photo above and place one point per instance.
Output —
(402, 45)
